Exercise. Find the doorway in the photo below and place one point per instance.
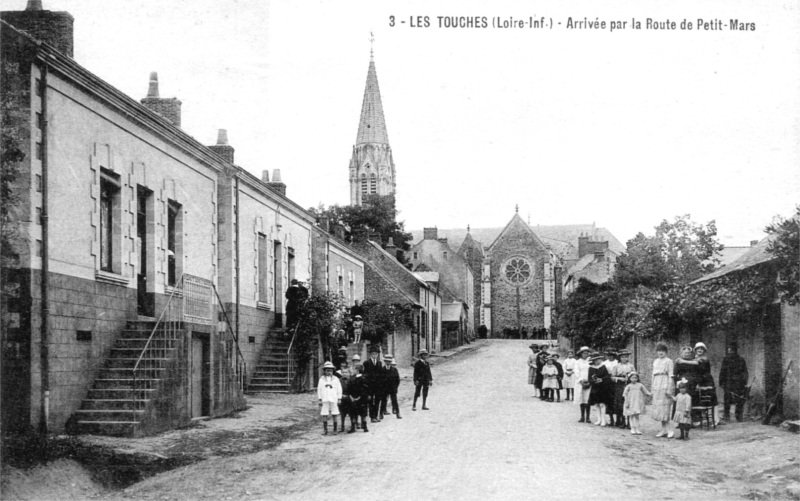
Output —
(145, 301)
(200, 379)
(277, 265)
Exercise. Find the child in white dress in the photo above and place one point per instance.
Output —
(634, 394)
(549, 379)
(569, 375)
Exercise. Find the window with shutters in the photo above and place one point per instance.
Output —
(263, 272)
(110, 221)
(174, 242)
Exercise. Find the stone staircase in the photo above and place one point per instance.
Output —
(110, 407)
(272, 372)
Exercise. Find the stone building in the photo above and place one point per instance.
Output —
(546, 250)
(147, 274)
(388, 282)
(596, 263)
(371, 166)
(456, 276)
(337, 266)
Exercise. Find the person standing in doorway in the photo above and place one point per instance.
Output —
(733, 378)
(422, 379)
(296, 296)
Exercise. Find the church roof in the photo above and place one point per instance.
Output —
(372, 126)
(518, 220)
(552, 235)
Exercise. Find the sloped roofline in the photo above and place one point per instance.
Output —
(505, 228)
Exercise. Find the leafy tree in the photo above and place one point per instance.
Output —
(319, 318)
(382, 319)
(589, 314)
(679, 253)
(785, 247)
(377, 215)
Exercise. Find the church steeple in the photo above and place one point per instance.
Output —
(371, 166)
(372, 126)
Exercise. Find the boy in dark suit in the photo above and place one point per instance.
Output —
(393, 384)
(422, 379)
(359, 396)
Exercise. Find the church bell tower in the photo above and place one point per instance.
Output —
(371, 166)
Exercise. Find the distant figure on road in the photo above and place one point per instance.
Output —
(733, 378)
(422, 379)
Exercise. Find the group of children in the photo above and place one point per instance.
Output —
(611, 385)
(366, 388)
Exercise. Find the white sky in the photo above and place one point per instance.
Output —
(624, 129)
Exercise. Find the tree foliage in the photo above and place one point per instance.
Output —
(318, 319)
(785, 247)
(381, 319)
(377, 215)
(652, 294)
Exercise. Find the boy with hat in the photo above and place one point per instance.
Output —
(422, 379)
(393, 385)
(341, 356)
(344, 374)
(329, 392)
(359, 395)
(560, 368)
(383, 386)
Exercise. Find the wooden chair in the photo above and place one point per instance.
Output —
(705, 408)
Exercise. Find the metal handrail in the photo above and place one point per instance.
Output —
(167, 307)
(289, 358)
(241, 364)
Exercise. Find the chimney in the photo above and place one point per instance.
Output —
(391, 248)
(167, 107)
(338, 231)
(430, 233)
(583, 245)
(53, 28)
(324, 223)
(265, 176)
(276, 183)
(222, 148)
(753, 243)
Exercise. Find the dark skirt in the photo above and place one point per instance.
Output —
(619, 400)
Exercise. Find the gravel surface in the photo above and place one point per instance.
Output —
(485, 437)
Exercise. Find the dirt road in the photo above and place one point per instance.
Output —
(485, 437)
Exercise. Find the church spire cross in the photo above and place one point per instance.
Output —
(371, 43)
(516, 208)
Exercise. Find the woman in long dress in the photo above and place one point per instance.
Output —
(662, 390)
(582, 387)
(532, 366)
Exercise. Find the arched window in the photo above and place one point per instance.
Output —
(363, 184)
(373, 184)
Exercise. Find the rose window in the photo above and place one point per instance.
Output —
(518, 271)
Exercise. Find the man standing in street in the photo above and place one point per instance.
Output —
(373, 372)
(733, 379)
(422, 379)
